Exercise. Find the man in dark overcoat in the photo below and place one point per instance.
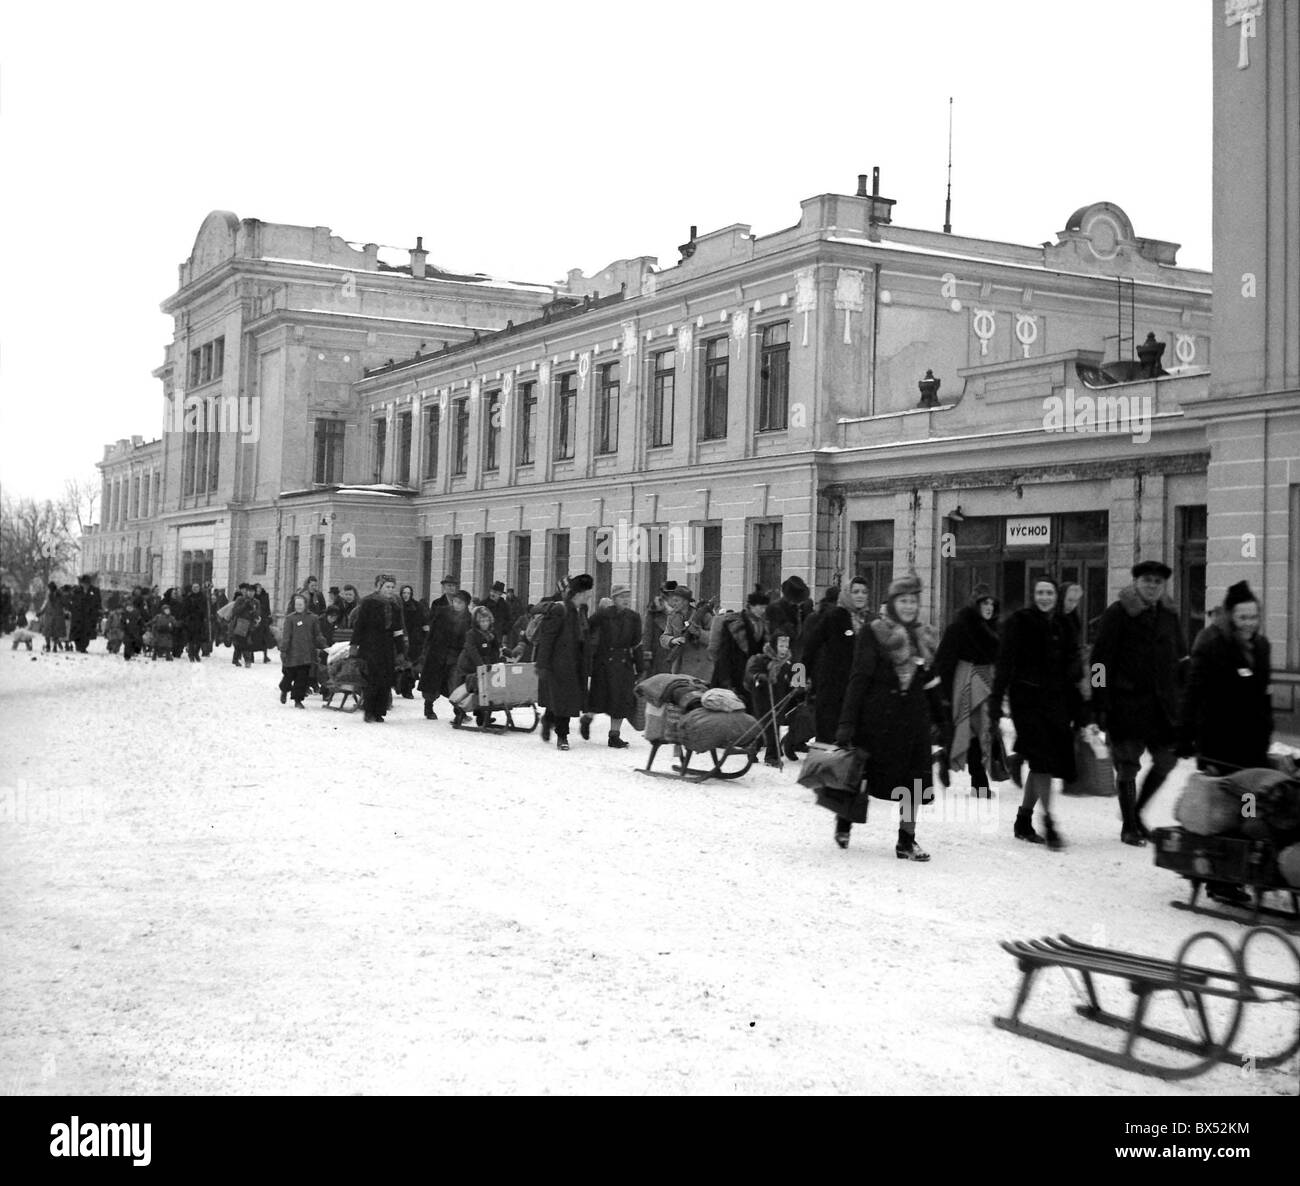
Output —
(1135, 688)
(617, 662)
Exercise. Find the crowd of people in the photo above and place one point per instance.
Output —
(915, 704)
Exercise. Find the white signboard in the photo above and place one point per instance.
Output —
(1029, 532)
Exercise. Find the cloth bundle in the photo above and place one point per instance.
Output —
(670, 689)
(706, 729)
(722, 700)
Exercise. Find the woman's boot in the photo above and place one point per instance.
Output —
(429, 714)
(842, 829)
(1053, 838)
(1025, 826)
(907, 848)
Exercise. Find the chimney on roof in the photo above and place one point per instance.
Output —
(879, 209)
(687, 249)
(418, 258)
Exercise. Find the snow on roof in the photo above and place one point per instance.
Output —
(448, 276)
(897, 245)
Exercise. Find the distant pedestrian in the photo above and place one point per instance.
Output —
(617, 662)
(448, 624)
(561, 655)
(375, 638)
(1034, 672)
(965, 665)
(300, 640)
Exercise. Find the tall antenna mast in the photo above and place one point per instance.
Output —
(947, 205)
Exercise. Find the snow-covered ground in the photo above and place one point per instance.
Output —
(203, 891)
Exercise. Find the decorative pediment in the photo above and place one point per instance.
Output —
(215, 242)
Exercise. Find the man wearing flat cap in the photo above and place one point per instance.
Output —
(1135, 688)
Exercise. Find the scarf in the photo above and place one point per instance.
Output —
(905, 644)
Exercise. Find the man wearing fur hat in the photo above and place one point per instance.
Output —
(742, 636)
(1135, 688)
(560, 653)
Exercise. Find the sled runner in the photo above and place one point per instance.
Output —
(664, 727)
(1212, 998)
(344, 680)
(1250, 865)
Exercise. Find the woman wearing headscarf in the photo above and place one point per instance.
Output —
(964, 665)
(1227, 719)
(53, 623)
(886, 711)
(414, 618)
(1036, 672)
(828, 652)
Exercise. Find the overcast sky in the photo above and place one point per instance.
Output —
(523, 140)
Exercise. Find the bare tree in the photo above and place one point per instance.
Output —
(37, 542)
(81, 496)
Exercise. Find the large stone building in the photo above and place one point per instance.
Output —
(752, 412)
(124, 549)
(273, 326)
(1251, 413)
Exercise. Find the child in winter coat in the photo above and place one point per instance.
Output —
(163, 628)
(767, 679)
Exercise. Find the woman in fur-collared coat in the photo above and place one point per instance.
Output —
(964, 664)
(887, 711)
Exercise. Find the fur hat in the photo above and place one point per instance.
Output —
(757, 597)
(794, 588)
(981, 592)
(899, 586)
(581, 583)
(1152, 568)
(620, 591)
(1237, 594)
(666, 588)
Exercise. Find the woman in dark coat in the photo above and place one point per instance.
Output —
(560, 652)
(415, 619)
(1035, 670)
(243, 625)
(740, 637)
(828, 653)
(887, 712)
(448, 625)
(194, 617)
(1228, 714)
(964, 664)
(300, 639)
(617, 662)
(53, 623)
(482, 649)
(375, 639)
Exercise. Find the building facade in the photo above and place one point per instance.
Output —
(273, 326)
(125, 548)
(752, 412)
(1251, 412)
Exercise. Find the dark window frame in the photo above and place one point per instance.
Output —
(663, 395)
(774, 378)
(610, 389)
(566, 416)
(716, 381)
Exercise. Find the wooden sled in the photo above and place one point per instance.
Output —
(468, 724)
(1250, 865)
(1145, 976)
(682, 766)
(343, 691)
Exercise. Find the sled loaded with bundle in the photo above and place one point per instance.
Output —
(693, 718)
(1239, 840)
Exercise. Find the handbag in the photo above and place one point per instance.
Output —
(838, 768)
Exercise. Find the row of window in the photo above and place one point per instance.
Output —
(773, 392)
(130, 498)
(658, 550)
(207, 362)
